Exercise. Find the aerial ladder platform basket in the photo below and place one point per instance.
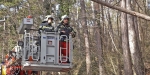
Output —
(44, 51)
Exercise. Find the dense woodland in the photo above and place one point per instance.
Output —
(108, 42)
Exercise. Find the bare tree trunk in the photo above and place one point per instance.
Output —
(85, 32)
(102, 34)
(133, 43)
(119, 43)
(110, 30)
(99, 50)
(97, 36)
(125, 43)
(29, 10)
(103, 24)
(139, 53)
(46, 6)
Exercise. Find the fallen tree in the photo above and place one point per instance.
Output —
(146, 17)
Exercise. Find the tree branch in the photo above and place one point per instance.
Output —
(146, 17)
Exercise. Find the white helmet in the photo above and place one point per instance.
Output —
(64, 17)
(47, 17)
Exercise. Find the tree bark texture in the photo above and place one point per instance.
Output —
(133, 43)
(85, 32)
(125, 43)
(98, 36)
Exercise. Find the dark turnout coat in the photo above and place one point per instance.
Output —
(67, 28)
(45, 26)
